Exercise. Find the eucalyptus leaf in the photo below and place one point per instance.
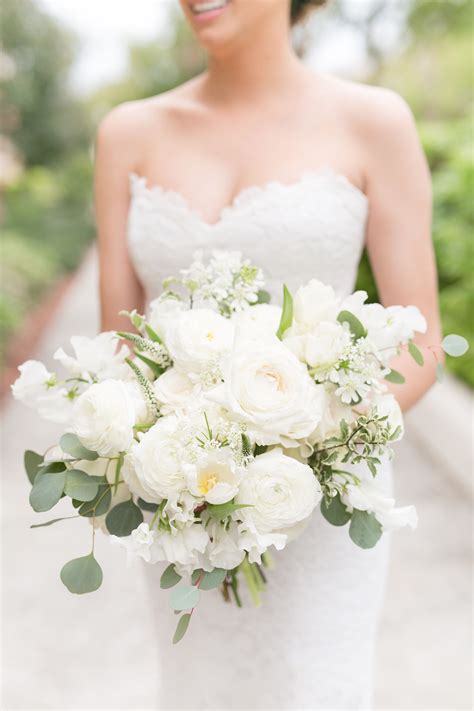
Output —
(80, 486)
(181, 627)
(364, 530)
(395, 377)
(47, 490)
(286, 314)
(454, 345)
(32, 462)
(53, 520)
(52, 467)
(356, 327)
(70, 443)
(124, 518)
(184, 597)
(146, 505)
(439, 373)
(336, 513)
(99, 504)
(415, 353)
(220, 511)
(169, 578)
(213, 579)
(263, 297)
(82, 575)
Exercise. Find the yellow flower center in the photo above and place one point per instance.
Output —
(207, 481)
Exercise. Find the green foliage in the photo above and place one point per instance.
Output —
(355, 326)
(181, 627)
(47, 490)
(82, 575)
(184, 597)
(32, 461)
(70, 444)
(213, 579)
(286, 314)
(335, 512)
(169, 578)
(124, 518)
(364, 529)
(80, 486)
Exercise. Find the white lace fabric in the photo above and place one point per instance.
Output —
(311, 644)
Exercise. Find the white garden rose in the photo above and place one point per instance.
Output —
(281, 491)
(96, 356)
(174, 389)
(197, 338)
(153, 468)
(257, 321)
(214, 476)
(267, 387)
(104, 417)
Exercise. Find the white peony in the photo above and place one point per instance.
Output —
(35, 388)
(281, 491)
(153, 469)
(214, 476)
(96, 356)
(257, 321)
(104, 417)
(174, 390)
(267, 387)
(197, 338)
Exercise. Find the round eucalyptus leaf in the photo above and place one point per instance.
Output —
(99, 504)
(364, 530)
(336, 513)
(184, 597)
(47, 490)
(70, 443)
(124, 518)
(415, 353)
(213, 579)
(82, 575)
(170, 577)
(181, 627)
(439, 373)
(147, 505)
(356, 327)
(32, 462)
(395, 377)
(454, 345)
(80, 486)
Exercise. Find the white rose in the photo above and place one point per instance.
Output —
(97, 356)
(213, 477)
(153, 469)
(266, 386)
(104, 416)
(198, 337)
(174, 389)
(313, 303)
(257, 321)
(281, 491)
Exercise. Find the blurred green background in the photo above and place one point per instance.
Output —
(47, 133)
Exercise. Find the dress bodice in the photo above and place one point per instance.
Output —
(311, 228)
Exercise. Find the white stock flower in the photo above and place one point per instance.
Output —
(197, 337)
(369, 496)
(96, 356)
(153, 469)
(281, 491)
(214, 476)
(267, 387)
(35, 388)
(257, 321)
(104, 416)
(174, 389)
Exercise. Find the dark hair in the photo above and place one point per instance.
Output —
(299, 8)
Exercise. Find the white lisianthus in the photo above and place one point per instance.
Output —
(214, 476)
(96, 356)
(224, 549)
(267, 387)
(174, 390)
(162, 313)
(153, 468)
(257, 321)
(369, 496)
(313, 303)
(104, 417)
(281, 491)
(197, 337)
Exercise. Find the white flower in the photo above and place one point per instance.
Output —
(197, 337)
(281, 491)
(183, 547)
(162, 313)
(266, 386)
(256, 543)
(369, 496)
(35, 387)
(214, 477)
(96, 356)
(174, 389)
(104, 416)
(313, 303)
(224, 549)
(139, 544)
(320, 348)
(153, 469)
(257, 321)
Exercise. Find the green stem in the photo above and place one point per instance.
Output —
(250, 580)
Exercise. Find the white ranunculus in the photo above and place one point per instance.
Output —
(197, 338)
(214, 477)
(313, 303)
(281, 491)
(369, 496)
(174, 390)
(35, 388)
(257, 321)
(267, 387)
(163, 312)
(104, 416)
(153, 468)
(224, 549)
(98, 356)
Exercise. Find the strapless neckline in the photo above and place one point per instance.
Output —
(244, 197)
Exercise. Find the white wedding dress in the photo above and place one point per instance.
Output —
(311, 643)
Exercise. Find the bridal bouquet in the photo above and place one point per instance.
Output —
(228, 421)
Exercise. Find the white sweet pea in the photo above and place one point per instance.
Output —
(214, 476)
(153, 468)
(35, 387)
(104, 417)
(369, 496)
(257, 321)
(183, 547)
(281, 491)
(267, 387)
(139, 544)
(224, 549)
(256, 543)
(198, 337)
(96, 356)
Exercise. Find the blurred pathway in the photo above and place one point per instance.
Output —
(62, 651)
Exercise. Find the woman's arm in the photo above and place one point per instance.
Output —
(399, 233)
(115, 157)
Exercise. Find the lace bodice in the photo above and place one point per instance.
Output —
(312, 227)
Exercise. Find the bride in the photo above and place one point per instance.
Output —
(298, 171)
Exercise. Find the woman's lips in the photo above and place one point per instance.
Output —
(208, 9)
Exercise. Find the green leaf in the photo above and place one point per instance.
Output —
(80, 486)
(181, 627)
(146, 505)
(286, 314)
(364, 530)
(124, 518)
(260, 449)
(336, 513)
(99, 504)
(82, 575)
(395, 377)
(439, 373)
(184, 597)
(152, 334)
(52, 467)
(213, 579)
(32, 462)
(196, 575)
(156, 369)
(222, 510)
(47, 490)
(170, 577)
(263, 297)
(415, 353)
(454, 345)
(70, 443)
(355, 326)
(50, 523)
